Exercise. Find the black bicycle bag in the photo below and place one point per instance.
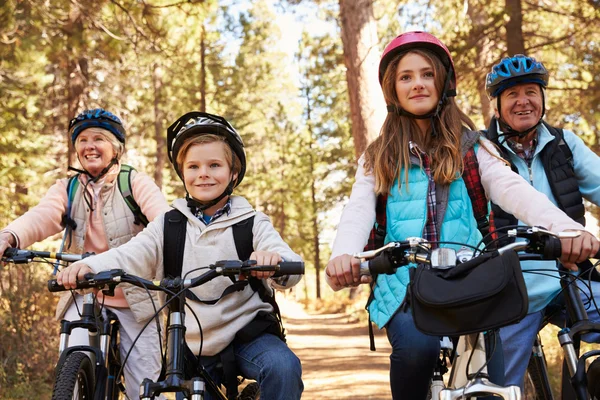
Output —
(482, 294)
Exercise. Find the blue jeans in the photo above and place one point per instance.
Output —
(271, 363)
(413, 357)
(517, 339)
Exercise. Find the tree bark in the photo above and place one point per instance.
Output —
(77, 72)
(514, 28)
(361, 57)
(484, 45)
(159, 135)
(202, 69)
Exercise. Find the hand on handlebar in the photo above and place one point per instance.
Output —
(69, 276)
(344, 271)
(578, 249)
(263, 258)
(6, 241)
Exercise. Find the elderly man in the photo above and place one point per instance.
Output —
(557, 163)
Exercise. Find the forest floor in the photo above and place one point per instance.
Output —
(335, 355)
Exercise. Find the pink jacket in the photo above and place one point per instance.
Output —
(44, 220)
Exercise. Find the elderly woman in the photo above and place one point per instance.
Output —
(98, 217)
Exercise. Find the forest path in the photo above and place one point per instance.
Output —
(335, 355)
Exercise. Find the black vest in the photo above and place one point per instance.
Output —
(557, 160)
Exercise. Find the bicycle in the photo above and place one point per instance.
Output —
(174, 366)
(577, 383)
(469, 376)
(82, 372)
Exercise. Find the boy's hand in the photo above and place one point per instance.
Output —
(264, 258)
(68, 277)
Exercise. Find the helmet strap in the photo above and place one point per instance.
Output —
(508, 131)
(93, 179)
(197, 205)
(446, 92)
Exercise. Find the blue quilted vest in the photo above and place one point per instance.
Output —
(406, 216)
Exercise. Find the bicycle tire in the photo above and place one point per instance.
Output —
(593, 379)
(75, 378)
(537, 376)
(250, 392)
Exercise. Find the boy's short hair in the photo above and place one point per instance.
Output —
(231, 158)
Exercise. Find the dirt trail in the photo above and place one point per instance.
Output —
(335, 355)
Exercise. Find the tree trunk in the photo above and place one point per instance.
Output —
(76, 76)
(159, 135)
(361, 57)
(514, 28)
(202, 69)
(478, 15)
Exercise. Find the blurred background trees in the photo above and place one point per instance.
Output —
(297, 78)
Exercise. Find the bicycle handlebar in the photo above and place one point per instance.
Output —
(19, 256)
(220, 268)
(544, 244)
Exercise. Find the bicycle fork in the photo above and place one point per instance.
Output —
(194, 389)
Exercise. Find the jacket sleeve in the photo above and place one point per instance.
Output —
(266, 238)
(141, 256)
(148, 196)
(587, 167)
(515, 195)
(42, 220)
(358, 216)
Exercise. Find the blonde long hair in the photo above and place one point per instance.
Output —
(386, 156)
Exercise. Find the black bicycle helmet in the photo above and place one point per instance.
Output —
(515, 70)
(201, 123)
(97, 117)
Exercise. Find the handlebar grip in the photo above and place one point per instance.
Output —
(290, 268)
(381, 265)
(54, 287)
(552, 248)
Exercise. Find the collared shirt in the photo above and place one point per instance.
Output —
(430, 231)
(525, 153)
(207, 219)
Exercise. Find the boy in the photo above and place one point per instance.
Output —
(208, 155)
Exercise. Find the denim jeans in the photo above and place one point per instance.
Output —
(270, 362)
(517, 339)
(414, 356)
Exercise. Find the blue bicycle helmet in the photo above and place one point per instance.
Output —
(100, 118)
(515, 70)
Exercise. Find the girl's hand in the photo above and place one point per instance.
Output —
(578, 249)
(265, 258)
(69, 276)
(344, 271)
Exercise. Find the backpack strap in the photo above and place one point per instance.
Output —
(124, 183)
(174, 242)
(476, 193)
(242, 236)
(66, 221)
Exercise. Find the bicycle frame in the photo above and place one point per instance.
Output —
(175, 381)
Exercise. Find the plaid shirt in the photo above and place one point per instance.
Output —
(525, 153)
(226, 209)
(430, 231)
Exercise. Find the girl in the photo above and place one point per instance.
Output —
(417, 161)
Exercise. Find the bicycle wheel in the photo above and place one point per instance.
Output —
(537, 385)
(250, 392)
(75, 379)
(593, 379)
